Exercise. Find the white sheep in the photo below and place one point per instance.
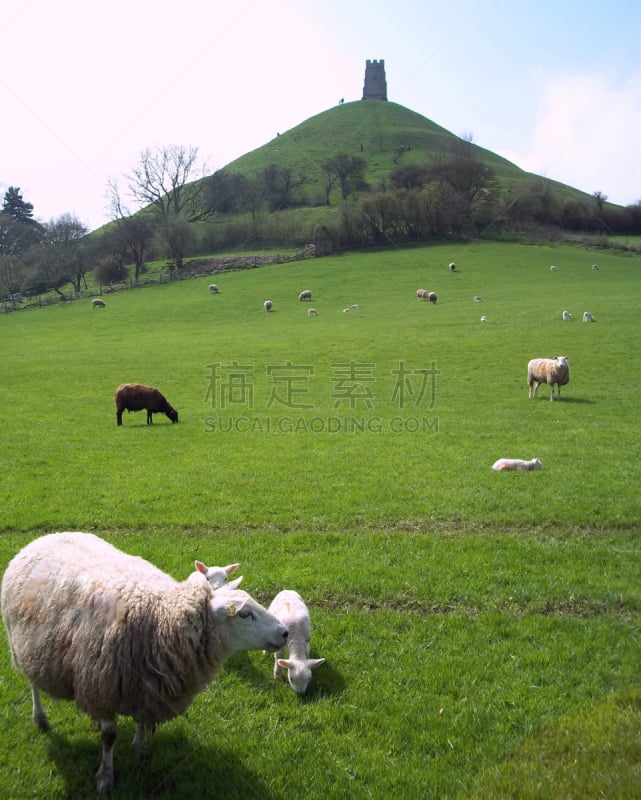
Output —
(267, 305)
(312, 312)
(595, 266)
(452, 267)
(421, 294)
(288, 606)
(98, 303)
(354, 307)
(516, 464)
(306, 294)
(587, 317)
(566, 316)
(213, 288)
(484, 318)
(89, 623)
(553, 268)
(547, 370)
(478, 299)
(216, 576)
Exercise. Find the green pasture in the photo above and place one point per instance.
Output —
(481, 629)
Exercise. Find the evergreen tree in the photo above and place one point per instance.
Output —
(15, 207)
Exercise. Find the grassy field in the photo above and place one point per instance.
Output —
(348, 455)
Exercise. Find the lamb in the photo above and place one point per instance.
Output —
(288, 606)
(355, 307)
(136, 397)
(98, 303)
(587, 317)
(484, 318)
(305, 295)
(421, 294)
(478, 299)
(566, 316)
(595, 266)
(213, 288)
(452, 267)
(553, 268)
(267, 305)
(89, 623)
(431, 296)
(547, 370)
(516, 464)
(312, 312)
(216, 576)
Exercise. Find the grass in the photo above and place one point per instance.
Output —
(509, 601)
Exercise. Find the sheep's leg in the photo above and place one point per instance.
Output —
(105, 775)
(149, 419)
(278, 670)
(119, 417)
(38, 713)
(140, 743)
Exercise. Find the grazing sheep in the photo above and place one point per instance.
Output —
(547, 370)
(452, 267)
(98, 303)
(136, 397)
(431, 296)
(267, 305)
(355, 307)
(516, 464)
(566, 316)
(213, 288)
(478, 299)
(553, 268)
(288, 607)
(484, 318)
(89, 623)
(312, 312)
(216, 576)
(587, 317)
(421, 294)
(305, 295)
(595, 266)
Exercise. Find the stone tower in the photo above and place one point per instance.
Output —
(375, 87)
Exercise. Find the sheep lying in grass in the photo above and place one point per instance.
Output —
(587, 317)
(355, 307)
(566, 316)
(98, 303)
(312, 312)
(215, 576)
(89, 623)
(136, 397)
(267, 305)
(553, 371)
(288, 606)
(306, 294)
(516, 464)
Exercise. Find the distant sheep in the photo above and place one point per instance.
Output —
(213, 288)
(312, 312)
(452, 267)
(215, 576)
(587, 317)
(267, 305)
(484, 318)
(516, 464)
(566, 316)
(136, 397)
(595, 266)
(547, 370)
(431, 296)
(553, 268)
(288, 607)
(98, 303)
(89, 623)
(421, 294)
(478, 299)
(355, 307)
(305, 295)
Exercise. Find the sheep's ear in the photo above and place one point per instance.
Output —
(283, 662)
(200, 567)
(312, 663)
(231, 568)
(233, 584)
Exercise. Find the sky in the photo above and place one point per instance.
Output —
(554, 85)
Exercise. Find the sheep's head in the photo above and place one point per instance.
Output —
(299, 673)
(562, 361)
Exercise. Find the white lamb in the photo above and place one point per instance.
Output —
(484, 318)
(516, 464)
(354, 307)
(566, 316)
(98, 303)
(89, 623)
(216, 576)
(478, 299)
(267, 305)
(587, 317)
(547, 370)
(553, 268)
(312, 312)
(213, 288)
(288, 606)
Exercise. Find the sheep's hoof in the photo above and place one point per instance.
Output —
(104, 780)
(40, 719)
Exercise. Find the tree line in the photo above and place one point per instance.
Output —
(183, 213)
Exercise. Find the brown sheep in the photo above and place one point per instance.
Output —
(136, 397)
(421, 294)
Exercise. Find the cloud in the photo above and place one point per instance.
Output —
(587, 135)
